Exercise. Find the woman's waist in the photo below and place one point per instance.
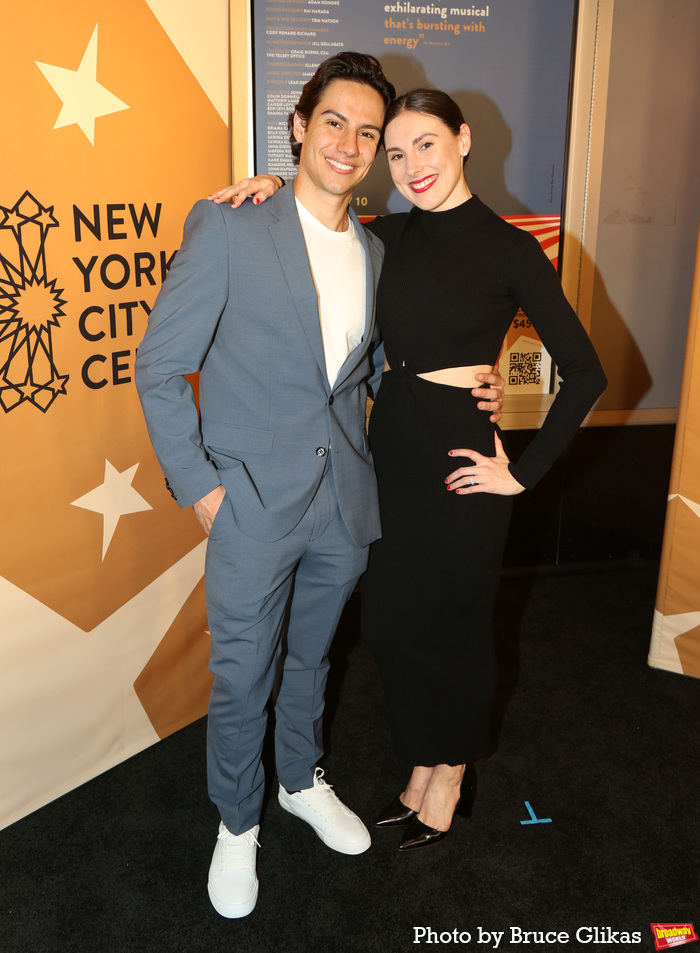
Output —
(463, 376)
(415, 408)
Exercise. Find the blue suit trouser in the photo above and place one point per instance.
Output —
(249, 585)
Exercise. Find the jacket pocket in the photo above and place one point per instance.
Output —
(230, 439)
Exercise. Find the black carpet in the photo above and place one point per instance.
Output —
(584, 732)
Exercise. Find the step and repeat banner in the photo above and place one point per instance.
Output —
(115, 121)
(675, 643)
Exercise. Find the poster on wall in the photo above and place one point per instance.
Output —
(118, 125)
(507, 64)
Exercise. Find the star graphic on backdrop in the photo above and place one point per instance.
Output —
(680, 623)
(12, 219)
(114, 498)
(84, 99)
(68, 732)
(667, 632)
(26, 390)
(691, 504)
(46, 217)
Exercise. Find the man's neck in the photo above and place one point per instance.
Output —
(329, 210)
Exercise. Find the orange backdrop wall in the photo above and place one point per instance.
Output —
(675, 643)
(115, 122)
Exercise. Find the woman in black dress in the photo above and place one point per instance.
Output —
(454, 276)
(453, 279)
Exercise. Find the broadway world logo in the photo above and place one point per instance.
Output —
(669, 935)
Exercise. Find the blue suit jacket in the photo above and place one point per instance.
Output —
(240, 305)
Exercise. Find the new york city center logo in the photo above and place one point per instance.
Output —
(30, 303)
(30, 306)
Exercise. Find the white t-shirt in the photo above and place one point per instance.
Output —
(338, 265)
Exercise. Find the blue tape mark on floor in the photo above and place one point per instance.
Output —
(533, 817)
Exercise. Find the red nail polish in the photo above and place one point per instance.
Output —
(449, 487)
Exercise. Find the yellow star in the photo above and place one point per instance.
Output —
(83, 98)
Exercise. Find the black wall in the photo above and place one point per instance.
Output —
(603, 503)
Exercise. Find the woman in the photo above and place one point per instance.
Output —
(453, 278)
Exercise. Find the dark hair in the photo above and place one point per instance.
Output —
(356, 67)
(430, 102)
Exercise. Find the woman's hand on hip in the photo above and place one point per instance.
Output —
(487, 475)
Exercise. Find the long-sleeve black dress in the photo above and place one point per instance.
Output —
(451, 285)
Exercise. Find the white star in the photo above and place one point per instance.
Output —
(63, 722)
(83, 98)
(114, 498)
(695, 507)
(663, 652)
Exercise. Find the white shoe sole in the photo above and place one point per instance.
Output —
(344, 848)
(233, 911)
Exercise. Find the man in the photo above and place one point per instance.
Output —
(274, 306)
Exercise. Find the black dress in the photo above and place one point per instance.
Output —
(451, 284)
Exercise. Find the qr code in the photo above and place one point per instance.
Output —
(525, 367)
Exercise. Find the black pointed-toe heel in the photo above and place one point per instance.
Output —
(419, 834)
(467, 792)
(395, 815)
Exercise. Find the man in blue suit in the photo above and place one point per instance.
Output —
(274, 306)
(277, 467)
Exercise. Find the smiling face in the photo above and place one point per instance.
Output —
(426, 160)
(338, 143)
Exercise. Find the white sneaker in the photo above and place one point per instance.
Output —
(334, 823)
(233, 883)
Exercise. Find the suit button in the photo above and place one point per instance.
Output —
(320, 451)
(331, 399)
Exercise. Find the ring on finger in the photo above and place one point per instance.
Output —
(471, 481)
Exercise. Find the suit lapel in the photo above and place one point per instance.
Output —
(288, 239)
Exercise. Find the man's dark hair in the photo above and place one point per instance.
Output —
(355, 67)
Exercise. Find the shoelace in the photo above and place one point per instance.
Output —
(322, 797)
(237, 854)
